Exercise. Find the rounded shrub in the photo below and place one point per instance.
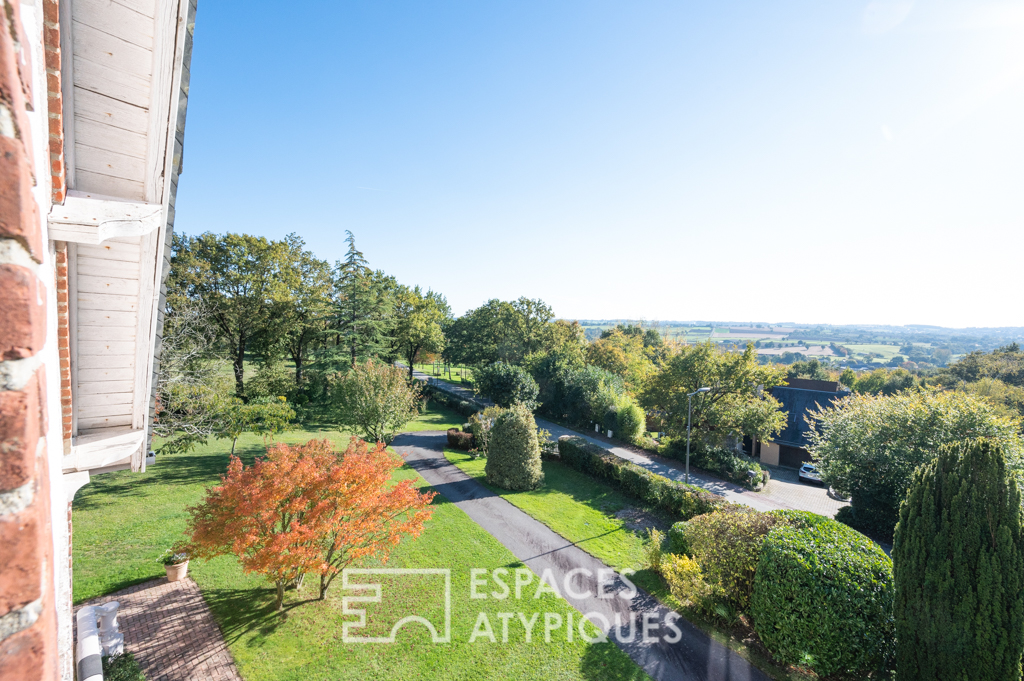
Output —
(677, 539)
(631, 422)
(507, 384)
(513, 453)
(727, 546)
(823, 597)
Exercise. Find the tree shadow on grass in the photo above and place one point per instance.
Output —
(604, 661)
(241, 612)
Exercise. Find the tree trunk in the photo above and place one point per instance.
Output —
(239, 367)
(279, 603)
(233, 441)
(323, 587)
(298, 368)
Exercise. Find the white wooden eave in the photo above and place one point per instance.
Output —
(121, 73)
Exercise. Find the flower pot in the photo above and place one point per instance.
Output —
(176, 572)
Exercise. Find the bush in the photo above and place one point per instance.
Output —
(686, 583)
(480, 425)
(823, 596)
(513, 453)
(123, 667)
(677, 539)
(727, 546)
(453, 402)
(611, 419)
(507, 384)
(460, 440)
(632, 423)
(653, 549)
(722, 462)
(679, 499)
(375, 400)
(958, 570)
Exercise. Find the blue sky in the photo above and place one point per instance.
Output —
(843, 162)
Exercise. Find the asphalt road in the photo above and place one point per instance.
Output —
(675, 650)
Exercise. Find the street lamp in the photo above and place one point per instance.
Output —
(689, 415)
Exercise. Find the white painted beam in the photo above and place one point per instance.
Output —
(92, 218)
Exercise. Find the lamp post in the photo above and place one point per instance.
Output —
(689, 415)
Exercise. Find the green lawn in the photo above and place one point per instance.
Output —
(124, 521)
(459, 375)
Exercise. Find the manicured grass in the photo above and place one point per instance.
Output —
(456, 378)
(124, 521)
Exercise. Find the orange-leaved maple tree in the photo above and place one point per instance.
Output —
(306, 509)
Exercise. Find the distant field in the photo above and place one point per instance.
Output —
(886, 351)
(814, 350)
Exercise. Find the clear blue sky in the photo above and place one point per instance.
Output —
(844, 162)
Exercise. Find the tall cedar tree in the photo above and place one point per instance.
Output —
(363, 318)
(307, 509)
(959, 570)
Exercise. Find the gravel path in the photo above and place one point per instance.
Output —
(683, 654)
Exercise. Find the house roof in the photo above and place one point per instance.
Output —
(798, 403)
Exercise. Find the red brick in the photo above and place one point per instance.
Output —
(22, 546)
(19, 433)
(22, 312)
(51, 11)
(19, 214)
(23, 656)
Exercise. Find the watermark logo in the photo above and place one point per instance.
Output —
(357, 578)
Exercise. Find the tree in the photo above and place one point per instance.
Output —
(498, 331)
(238, 279)
(513, 452)
(419, 323)
(959, 569)
(885, 382)
(624, 354)
(737, 404)
(305, 509)
(302, 321)
(507, 384)
(188, 388)
(375, 399)
(363, 315)
(867, 446)
(264, 416)
(1005, 364)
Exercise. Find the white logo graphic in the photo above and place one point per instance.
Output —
(376, 588)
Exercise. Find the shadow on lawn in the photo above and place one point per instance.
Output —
(242, 611)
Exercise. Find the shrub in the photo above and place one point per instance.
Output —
(507, 384)
(632, 423)
(123, 667)
(727, 546)
(653, 549)
(686, 583)
(460, 440)
(480, 425)
(679, 499)
(513, 453)
(677, 539)
(611, 419)
(725, 463)
(375, 400)
(958, 569)
(823, 596)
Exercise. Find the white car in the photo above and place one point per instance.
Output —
(809, 473)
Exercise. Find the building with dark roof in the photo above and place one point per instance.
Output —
(799, 398)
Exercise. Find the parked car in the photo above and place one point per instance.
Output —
(809, 473)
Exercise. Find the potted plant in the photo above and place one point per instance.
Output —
(175, 563)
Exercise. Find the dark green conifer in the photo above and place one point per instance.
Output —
(959, 570)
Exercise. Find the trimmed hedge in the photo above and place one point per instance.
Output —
(452, 401)
(459, 440)
(720, 461)
(513, 453)
(682, 500)
(823, 597)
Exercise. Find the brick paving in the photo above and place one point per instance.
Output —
(171, 631)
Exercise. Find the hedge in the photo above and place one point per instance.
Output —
(720, 461)
(681, 500)
(460, 440)
(823, 597)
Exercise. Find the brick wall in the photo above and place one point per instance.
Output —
(64, 342)
(55, 102)
(28, 626)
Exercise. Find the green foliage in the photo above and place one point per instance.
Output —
(507, 385)
(722, 462)
(687, 585)
(653, 549)
(375, 400)
(480, 425)
(884, 382)
(513, 454)
(1005, 364)
(867, 446)
(811, 369)
(681, 500)
(453, 401)
(848, 378)
(265, 416)
(631, 422)
(271, 380)
(581, 395)
(959, 569)
(123, 667)
(499, 331)
(677, 539)
(419, 323)
(625, 354)
(823, 596)
(727, 546)
(460, 440)
(738, 403)
(363, 316)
